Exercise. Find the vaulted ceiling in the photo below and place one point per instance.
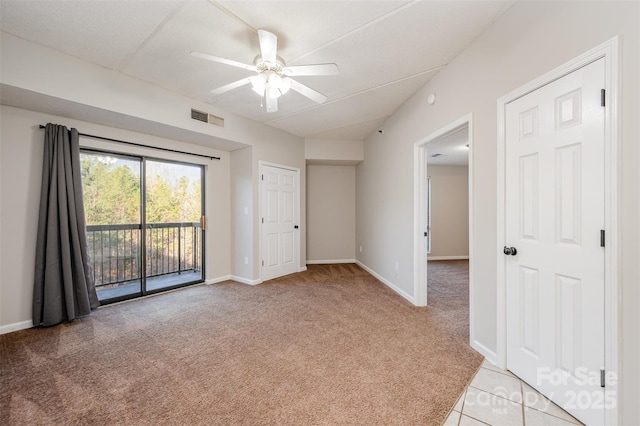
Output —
(386, 50)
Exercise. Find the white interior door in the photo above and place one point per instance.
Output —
(279, 221)
(554, 216)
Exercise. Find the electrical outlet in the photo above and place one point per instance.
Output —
(360, 249)
(246, 260)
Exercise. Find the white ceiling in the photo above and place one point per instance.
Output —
(386, 50)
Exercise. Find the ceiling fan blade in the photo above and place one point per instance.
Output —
(268, 46)
(307, 91)
(318, 69)
(272, 104)
(231, 86)
(223, 61)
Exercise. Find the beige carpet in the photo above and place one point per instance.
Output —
(328, 346)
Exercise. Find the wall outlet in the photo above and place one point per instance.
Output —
(246, 260)
(360, 249)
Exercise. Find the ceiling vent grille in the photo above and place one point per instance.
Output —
(436, 155)
(207, 118)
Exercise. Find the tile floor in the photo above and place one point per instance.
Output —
(497, 397)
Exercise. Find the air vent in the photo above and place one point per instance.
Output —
(436, 155)
(207, 118)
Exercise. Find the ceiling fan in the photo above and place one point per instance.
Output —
(273, 77)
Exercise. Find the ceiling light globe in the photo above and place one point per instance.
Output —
(259, 84)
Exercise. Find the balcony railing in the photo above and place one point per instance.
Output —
(116, 253)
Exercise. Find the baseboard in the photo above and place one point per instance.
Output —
(218, 280)
(384, 281)
(245, 280)
(330, 262)
(302, 269)
(486, 352)
(9, 328)
(447, 257)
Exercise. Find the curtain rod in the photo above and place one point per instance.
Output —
(144, 146)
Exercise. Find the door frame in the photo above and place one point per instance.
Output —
(297, 244)
(419, 208)
(608, 51)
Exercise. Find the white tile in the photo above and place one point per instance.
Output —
(452, 420)
(538, 418)
(458, 406)
(491, 409)
(468, 421)
(489, 366)
(498, 384)
(534, 399)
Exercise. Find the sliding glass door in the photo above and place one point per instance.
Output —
(143, 224)
(173, 225)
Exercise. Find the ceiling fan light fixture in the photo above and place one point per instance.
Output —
(270, 84)
(259, 84)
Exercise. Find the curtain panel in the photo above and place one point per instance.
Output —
(64, 288)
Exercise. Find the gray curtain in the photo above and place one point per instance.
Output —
(63, 286)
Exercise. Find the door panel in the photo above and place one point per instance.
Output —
(554, 214)
(280, 211)
(173, 230)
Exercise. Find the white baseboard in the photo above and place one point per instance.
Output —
(384, 281)
(22, 325)
(245, 280)
(218, 280)
(302, 269)
(486, 352)
(330, 262)
(447, 257)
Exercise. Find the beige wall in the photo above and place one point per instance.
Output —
(529, 40)
(242, 213)
(336, 152)
(449, 211)
(21, 144)
(331, 213)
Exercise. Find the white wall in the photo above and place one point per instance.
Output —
(331, 213)
(333, 152)
(529, 40)
(21, 170)
(242, 214)
(449, 211)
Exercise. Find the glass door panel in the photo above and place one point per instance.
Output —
(173, 231)
(112, 202)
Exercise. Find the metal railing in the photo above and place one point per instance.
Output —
(116, 254)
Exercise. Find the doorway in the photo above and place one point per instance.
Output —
(144, 223)
(456, 142)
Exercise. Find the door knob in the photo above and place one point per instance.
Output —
(510, 251)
